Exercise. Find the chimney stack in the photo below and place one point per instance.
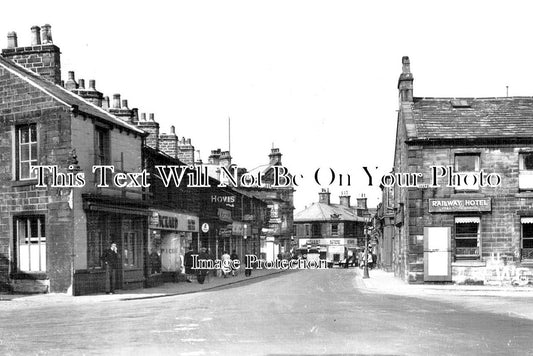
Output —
(152, 128)
(214, 158)
(344, 199)
(168, 143)
(105, 103)
(35, 35)
(361, 203)
(43, 59)
(12, 41)
(324, 196)
(225, 159)
(275, 157)
(405, 83)
(186, 151)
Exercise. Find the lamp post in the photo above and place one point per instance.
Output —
(365, 269)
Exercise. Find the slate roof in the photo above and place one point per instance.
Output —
(437, 118)
(324, 212)
(64, 96)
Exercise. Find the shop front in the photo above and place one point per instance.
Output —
(107, 223)
(170, 235)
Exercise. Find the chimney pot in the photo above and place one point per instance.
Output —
(172, 130)
(35, 35)
(124, 104)
(92, 84)
(152, 118)
(71, 81)
(12, 41)
(135, 114)
(46, 34)
(105, 104)
(143, 116)
(116, 101)
(81, 84)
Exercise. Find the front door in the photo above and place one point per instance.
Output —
(437, 254)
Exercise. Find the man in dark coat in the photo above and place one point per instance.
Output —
(189, 264)
(111, 260)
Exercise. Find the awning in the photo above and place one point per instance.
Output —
(528, 220)
(467, 220)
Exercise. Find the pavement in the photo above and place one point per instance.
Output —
(164, 290)
(386, 282)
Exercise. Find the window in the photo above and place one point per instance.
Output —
(467, 238)
(525, 178)
(335, 229)
(316, 230)
(101, 146)
(26, 151)
(132, 245)
(307, 230)
(30, 243)
(527, 238)
(466, 163)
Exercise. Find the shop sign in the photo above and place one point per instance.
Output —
(270, 239)
(237, 228)
(458, 205)
(248, 217)
(351, 242)
(224, 215)
(228, 200)
(225, 231)
(335, 242)
(167, 220)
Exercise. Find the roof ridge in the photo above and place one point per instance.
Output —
(30, 81)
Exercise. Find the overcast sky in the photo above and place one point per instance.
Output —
(316, 79)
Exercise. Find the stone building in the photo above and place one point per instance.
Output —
(470, 218)
(52, 237)
(333, 229)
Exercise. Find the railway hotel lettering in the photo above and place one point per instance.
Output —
(444, 205)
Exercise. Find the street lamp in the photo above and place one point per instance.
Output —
(365, 268)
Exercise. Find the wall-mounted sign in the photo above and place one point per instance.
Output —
(168, 220)
(224, 215)
(458, 205)
(228, 200)
(205, 227)
(237, 228)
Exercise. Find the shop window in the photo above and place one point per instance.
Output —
(466, 163)
(467, 238)
(525, 179)
(95, 249)
(307, 230)
(30, 243)
(527, 238)
(26, 151)
(334, 229)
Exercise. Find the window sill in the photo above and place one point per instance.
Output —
(22, 183)
(30, 275)
(469, 263)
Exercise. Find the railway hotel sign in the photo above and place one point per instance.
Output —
(458, 205)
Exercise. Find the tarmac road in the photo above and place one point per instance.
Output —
(316, 312)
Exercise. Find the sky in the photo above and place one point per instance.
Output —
(316, 79)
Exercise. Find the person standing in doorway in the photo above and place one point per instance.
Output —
(189, 264)
(111, 260)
